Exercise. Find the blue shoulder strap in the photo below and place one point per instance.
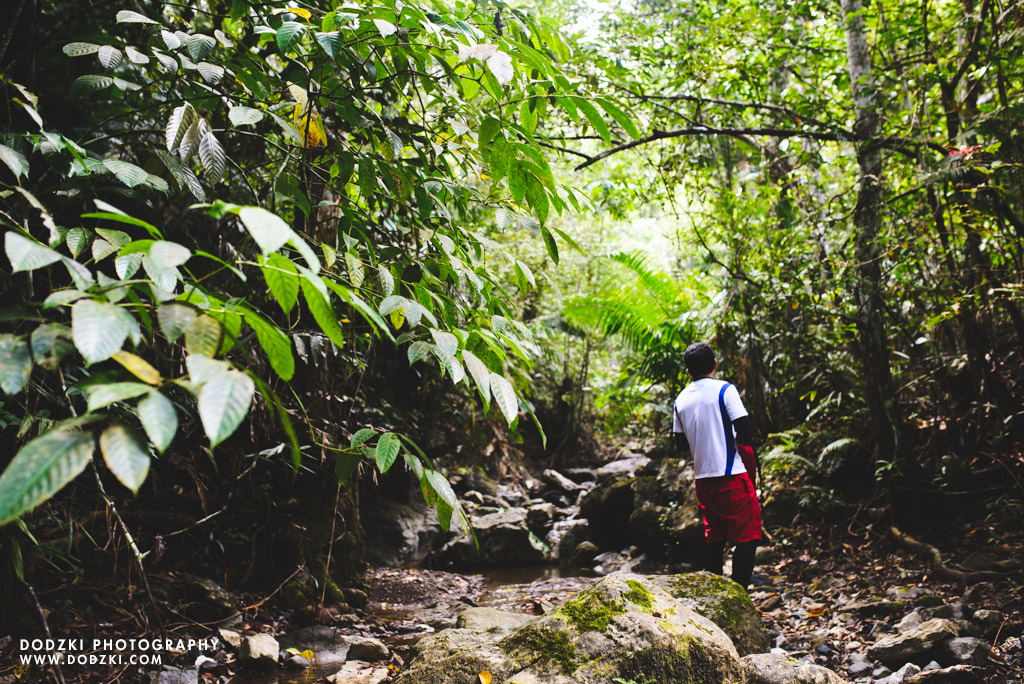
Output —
(730, 438)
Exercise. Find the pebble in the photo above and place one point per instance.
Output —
(860, 664)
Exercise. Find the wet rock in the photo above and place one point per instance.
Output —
(230, 637)
(539, 518)
(259, 650)
(559, 481)
(874, 608)
(723, 602)
(206, 600)
(296, 662)
(778, 668)
(328, 646)
(910, 621)
(958, 674)
(900, 648)
(504, 541)
(172, 675)
(490, 619)
(967, 650)
(580, 475)
(355, 597)
(583, 555)
(366, 648)
(356, 672)
(988, 621)
(566, 535)
(476, 480)
(622, 626)
(473, 496)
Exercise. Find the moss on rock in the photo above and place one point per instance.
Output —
(533, 643)
(639, 595)
(590, 612)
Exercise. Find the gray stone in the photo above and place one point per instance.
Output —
(296, 662)
(723, 602)
(566, 535)
(874, 608)
(583, 555)
(400, 533)
(881, 671)
(258, 650)
(909, 622)
(559, 481)
(900, 648)
(356, 672)
(487, 619)
(624, 467)
(967, 650)
(989, 620)
(622, 626)
(580, 475)
(776, 668)
(958, 674)
(366, 648)
(899, 675)
(329, 647)
(860, 664)
(504, 541)
(765, 554)
(230, 637)
(206, 600)
(933, 665)
(172, 675)
(540, 517)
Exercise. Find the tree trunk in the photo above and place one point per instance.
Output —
(867, 220)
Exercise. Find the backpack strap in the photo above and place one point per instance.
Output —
(730, 437)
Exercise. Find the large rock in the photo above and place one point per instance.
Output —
(915, 644)
(958, 674)
(623, 626)
(205, 599)
(400, 533)
(259, 650)
(566, 535)
(621, 468)
(504, 539)
(357, 672)
(723, 602)
(779, 668)
(490, 620)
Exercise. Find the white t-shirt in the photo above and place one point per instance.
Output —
(698, 412)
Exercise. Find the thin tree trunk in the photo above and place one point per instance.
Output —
(867, 220)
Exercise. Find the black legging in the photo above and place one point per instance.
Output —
(742, 560)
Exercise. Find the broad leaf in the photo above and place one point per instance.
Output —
(175, 318)
(138, 366)
(130, 17)
(323, 313)
(99, 329)
(14, 160)
(27, 255)
(204, 336)
(289, 35)
(387, 450)
(594, 117)
(224, 401)
(41, 468)
(159, 419)
(166, 255)
(481, 376)
(275, 343)
(418, 351)
(244, 116)
(362, 434)
(283, 280)
(505, 397)
(107, 393)
(125, 455)
(213, 157)
(15, 364)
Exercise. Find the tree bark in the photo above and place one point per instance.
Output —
(867, 220)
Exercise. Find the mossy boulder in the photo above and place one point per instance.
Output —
(624, 626)
(723, 602)
(778, 668)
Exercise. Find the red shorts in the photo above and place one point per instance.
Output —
(729, 507)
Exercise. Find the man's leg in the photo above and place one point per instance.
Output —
(713, 553)
(743, 562)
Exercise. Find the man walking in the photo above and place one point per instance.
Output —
(709, 419)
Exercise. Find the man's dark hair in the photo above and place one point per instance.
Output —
(699, 359)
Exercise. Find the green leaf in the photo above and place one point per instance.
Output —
(418, 351)
(27, 255)
(75, 240)
(129, 174)
(481, 376)
(63, 298)
(323, 313)
(244, 116)
(537, 196)
(41, 468)
(361, 436)
(125, 455)
(175, 318)
(289, 35)
(345, 465)
(138, 366)
(224, 401)
(271, 233)
(129, 17)
(356, 272)
(200, 46)
(202, 368)
(165, 255)
(505, 397)
(519, 181)
(81, 49)
(388, 447)
(549, 242)
(204, 336)
(620, 117)
(105, 394)
(275, 343)
(15, 364)
(211, 73)
(594, 117)
(502, 156)
(159, 419)
(181, 120)
(213, 157)
(14, 160)
(283, 280)
(99, 329)
(386, 28)
(110, 57)
(332, 42)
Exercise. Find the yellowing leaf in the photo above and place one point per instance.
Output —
(139, 367)
(485, 677)
(304, 13)
(306, 119)
(397, 318)
(816, 611)
(307, 654)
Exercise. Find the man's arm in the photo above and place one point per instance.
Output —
(745, 446)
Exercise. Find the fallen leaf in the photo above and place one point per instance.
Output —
(485, 677)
